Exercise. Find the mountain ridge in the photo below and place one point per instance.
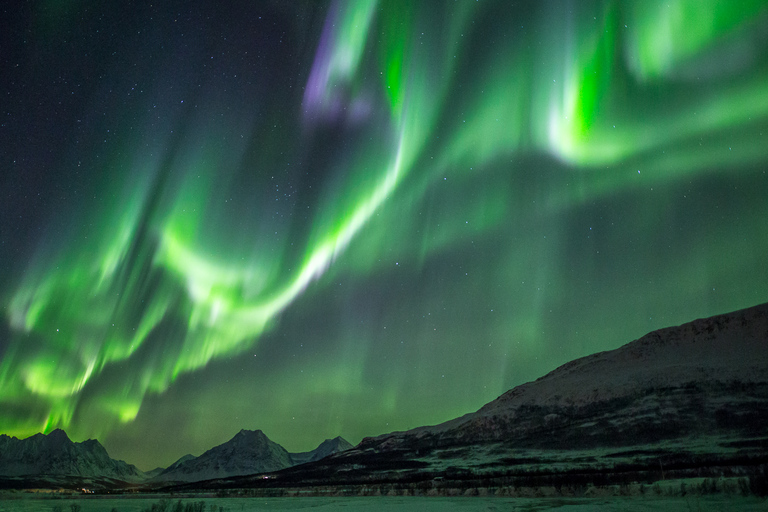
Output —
(56, 454)
(692, 396)
(583, 380)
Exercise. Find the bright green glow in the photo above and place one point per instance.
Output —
(589, 79)
(394, 49)
(578, 134)
(443, 241)
(666, 34)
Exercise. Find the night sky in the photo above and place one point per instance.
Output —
(349, 218)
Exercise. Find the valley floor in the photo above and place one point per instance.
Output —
(25, 503)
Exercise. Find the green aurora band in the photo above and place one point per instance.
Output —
(473, 132)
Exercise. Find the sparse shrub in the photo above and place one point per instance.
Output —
(57, 508)
(74, 507)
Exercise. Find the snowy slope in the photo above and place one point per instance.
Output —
(675, 381)
(724, 348)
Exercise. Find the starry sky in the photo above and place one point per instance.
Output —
(359, 216)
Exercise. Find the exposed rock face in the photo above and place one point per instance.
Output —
(56, 454)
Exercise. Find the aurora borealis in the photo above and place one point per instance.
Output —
(348, 218)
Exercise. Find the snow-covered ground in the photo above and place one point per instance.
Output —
(403, 504)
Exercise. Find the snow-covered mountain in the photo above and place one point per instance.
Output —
(247, 453)
(56, 454)
(700, 377)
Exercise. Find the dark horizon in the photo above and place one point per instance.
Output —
(348, 218)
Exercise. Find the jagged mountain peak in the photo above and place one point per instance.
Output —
(338, 443)
(250, 436)
(56, 454)
(58, 434)
(247, 452)
(249, 433)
